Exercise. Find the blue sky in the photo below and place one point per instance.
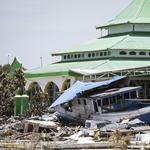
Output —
(31, 28)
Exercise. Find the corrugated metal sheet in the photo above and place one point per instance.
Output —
(137, 12)
(138, 41)
(90, 66)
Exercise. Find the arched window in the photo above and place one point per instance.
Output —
(71, 56)
(101, 54)
(132, 53)
(75, 56)
(34, 88)
(52, 91)
(142, 53)
(93, 54)
(89, 55)
(122, 53)
(37, 89)
(79, 55)
(149, 53)
(32, 91)
(65, 57)
(105, 53)
(96, 54)
(67, 85)
(109, 53)
(82, 55)
(68, 57)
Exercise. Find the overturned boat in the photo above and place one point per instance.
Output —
(102, 101)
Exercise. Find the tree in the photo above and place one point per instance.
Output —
(5, 68)
(7, 91)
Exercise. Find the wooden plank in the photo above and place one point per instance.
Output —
(21, 135)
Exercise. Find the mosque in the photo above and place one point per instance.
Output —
(125, 50)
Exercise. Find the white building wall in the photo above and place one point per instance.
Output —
(43, 81)
(120, 29)
(142, 27)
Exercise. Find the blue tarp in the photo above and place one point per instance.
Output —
(79, 87)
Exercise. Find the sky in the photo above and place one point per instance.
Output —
(30, 29)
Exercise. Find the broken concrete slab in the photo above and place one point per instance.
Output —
(37, 124)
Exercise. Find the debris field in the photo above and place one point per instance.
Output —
(50, 132)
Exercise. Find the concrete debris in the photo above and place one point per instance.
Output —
(24, 133)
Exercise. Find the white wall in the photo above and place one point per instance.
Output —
(43, 81)
(120, 29)
(142, 27)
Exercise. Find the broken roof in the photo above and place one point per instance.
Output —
(79, 87)
(115, 92)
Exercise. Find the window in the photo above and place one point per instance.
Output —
(79, 101)
(101, 54)
(96, 54)
(79, 55)
(109, 53)
(105, 53)
(126, 96)
(71, 56)
(68, 57)
(65, 57)
(142, 53)
(149, 53)
(89, 55)
(133, 94)
(82, 55)
(75, 56)
(95, 106)
(112, 100)
(67, 85)
(99, 102)
(93, 54)
(84, 102)
(52, 91)
(132, 53)
(105, 101)
(119, 97)
(122, 53)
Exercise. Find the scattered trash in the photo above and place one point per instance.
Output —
(30, 132)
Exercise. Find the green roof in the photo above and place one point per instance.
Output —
(82, 67)
(138, 12)
(128, 41)
(15, 65)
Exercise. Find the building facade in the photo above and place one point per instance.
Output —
(125, 50)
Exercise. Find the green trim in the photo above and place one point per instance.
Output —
(121, 103)
(52, 74)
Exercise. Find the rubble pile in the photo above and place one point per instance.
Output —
(47, 132)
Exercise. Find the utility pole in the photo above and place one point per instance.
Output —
(8, 57)
(41, 59)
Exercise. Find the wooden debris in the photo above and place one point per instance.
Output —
(21, 135)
